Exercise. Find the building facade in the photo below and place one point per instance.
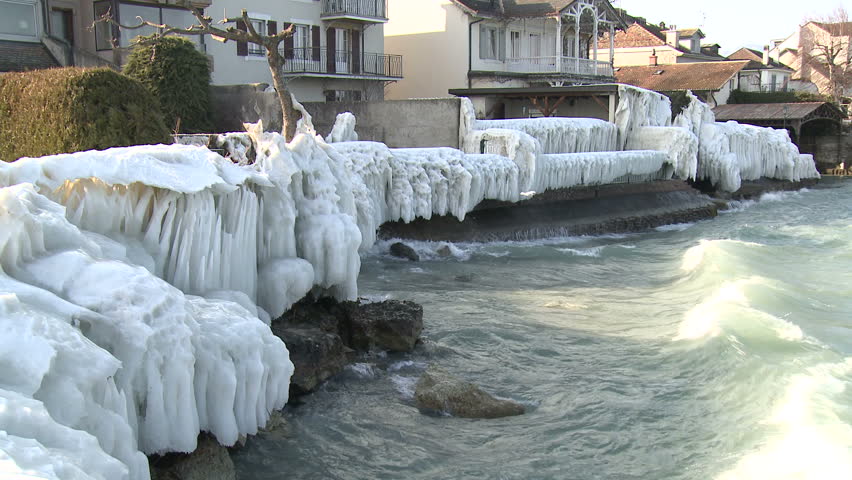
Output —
(762, 74)
(804, 51)
(336, 51)
(508, 44)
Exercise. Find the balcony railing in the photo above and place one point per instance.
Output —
(322, 61)
(555, 65)
(368, 10)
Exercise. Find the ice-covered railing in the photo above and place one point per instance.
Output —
(730, 153)
(597, 168)
(561, 135)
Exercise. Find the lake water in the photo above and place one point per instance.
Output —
(715, 350)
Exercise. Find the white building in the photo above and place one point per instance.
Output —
(336, 52)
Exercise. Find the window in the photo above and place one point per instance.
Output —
(696, 45)
(18, 19)
(492, 43)
(515, 42)
(302, 41)
(568, 46)
(103, 31)
(343, 96)
(773, 81)
(62, 24)
(260, 28)
(535, 45)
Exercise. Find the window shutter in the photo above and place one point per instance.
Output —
(315, 42)
(502, 44)
(331, 44)
(242, 47)
(356, 51)
(272, 27)
(289, 42)
(483, 41)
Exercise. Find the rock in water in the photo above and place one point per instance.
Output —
(444, 251)
(316, 355)
(391, 325)
(210, 461)
(439, 391)
(402, 250)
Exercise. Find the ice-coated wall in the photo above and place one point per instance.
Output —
(596, 168)
(730, 153)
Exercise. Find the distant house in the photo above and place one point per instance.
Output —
(762, 74)
(336, 52)
(814, 75)
(453, 44)
(643, 43)
(710, 81)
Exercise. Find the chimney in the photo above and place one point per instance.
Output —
(673, 36)
(652, 60)
(766, 54)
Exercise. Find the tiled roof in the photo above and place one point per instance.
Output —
(766, 111)
(699, 76)
(836, 29)
(689, 32)
(756, 57)
(23, 56)
(636, 35)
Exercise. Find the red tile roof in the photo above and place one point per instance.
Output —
(699, 76)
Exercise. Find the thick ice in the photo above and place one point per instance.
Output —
(638, 108)
(679, 143)
(343, 129)
(516, 145)
(561, 135)
(596, 168)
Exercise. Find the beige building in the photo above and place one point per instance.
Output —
(643, 43)
(805, 50)
(336, 52)
(451, 44)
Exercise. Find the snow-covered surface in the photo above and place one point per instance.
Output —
(137, 284)
(730, 153)
(595, 168)
(637, 108)
(561, 135)
(343, 129)
(679, 143)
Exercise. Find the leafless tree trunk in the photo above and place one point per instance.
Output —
(228, 31)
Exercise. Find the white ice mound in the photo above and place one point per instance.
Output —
(343, 129)
(596, 168)
(560, 134)
(112, 351)
(679, 143)
(638, 108)
(516, 145)
(730, 153)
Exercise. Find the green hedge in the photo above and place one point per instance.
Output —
(60, 110)
(739, 96)
(179, 76)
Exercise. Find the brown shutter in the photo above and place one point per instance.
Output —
(331, 44)
(272, 27)
(355, 38)
(315, 42)
(242, 47)
(289, 42)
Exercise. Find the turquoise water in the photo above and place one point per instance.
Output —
(715, 350)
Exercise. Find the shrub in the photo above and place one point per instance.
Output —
(179, 76)
(60, 110)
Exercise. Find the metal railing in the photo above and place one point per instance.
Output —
(355, 8)
(552, 64)
(320, 60)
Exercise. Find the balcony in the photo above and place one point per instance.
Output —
(369, 11)
(556, 66)
(322, 62)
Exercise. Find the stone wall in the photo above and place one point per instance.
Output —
(428, 122)
(397, 123)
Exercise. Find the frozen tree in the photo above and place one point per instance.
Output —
(238, 29)
(825, 49)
